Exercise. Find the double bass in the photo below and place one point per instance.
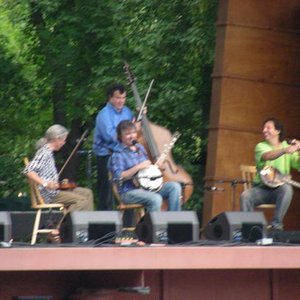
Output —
(154, 138)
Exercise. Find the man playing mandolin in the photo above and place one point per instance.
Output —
(127, 160)
(277, 154)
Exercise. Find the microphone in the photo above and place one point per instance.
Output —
(235, 181)
(213, 189)
(134, 142)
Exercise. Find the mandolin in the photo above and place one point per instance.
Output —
(273, 178)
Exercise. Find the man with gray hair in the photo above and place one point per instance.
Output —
(43, 172)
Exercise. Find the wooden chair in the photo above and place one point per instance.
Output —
(39, 204)
(138, 209)
(248, 174)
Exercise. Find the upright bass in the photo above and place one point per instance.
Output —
(154, 138)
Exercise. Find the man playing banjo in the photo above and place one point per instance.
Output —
(128, 159)
(277, 154)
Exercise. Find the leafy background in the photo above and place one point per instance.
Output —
(57, 58)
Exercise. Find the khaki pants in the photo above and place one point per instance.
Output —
(77, 199)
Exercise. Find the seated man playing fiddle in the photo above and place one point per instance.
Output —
(42, 170)
(127, 160)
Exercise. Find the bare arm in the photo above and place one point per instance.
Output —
(271, 155)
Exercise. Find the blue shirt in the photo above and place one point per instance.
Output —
(123, 159)
(105, 136)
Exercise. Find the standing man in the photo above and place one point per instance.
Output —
(275, 152)
(105, 139)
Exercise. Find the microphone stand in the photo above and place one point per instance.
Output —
(234, 184)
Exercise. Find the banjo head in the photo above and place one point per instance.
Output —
(271, 177)
(150, 178)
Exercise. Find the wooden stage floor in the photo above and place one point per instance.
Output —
(198, 271)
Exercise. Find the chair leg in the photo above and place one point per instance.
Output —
(142, 212)
(65, 212)
(36, 226)
(139, 213)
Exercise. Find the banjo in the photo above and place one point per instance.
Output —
(151, 178)
(273, 178)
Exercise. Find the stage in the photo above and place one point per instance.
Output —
(201, 270)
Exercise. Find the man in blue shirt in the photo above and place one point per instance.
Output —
(105, 139)
(127, 160)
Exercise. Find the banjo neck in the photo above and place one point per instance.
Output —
(272, 177)
(292, 182)
(167, 149)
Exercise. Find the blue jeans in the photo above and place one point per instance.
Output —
(281, 196)
(171, 191)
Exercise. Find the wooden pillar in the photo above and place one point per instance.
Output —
(256, 75)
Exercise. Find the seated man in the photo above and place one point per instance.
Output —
(43, 172)
(275, 152)
(127, 160)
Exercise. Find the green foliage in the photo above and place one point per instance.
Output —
(58, 56)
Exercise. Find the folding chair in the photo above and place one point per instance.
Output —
(248, 174)
(39, 204)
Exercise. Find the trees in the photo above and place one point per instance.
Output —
(65, 53)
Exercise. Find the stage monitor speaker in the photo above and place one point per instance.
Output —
(169, 227)
(5, 226)
(82, 226)
(236, 226)
(291, 237)
(22, 223)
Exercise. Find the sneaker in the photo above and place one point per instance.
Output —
(272, 228)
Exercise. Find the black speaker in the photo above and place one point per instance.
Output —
(82, 226)
(236, 226)
(5, 226)
(169, 227)
(22, 223)
(291, 237)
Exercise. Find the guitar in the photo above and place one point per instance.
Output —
(151, 178)
(273, 178)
